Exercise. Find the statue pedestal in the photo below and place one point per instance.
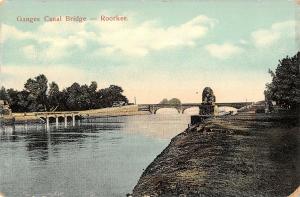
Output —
(198, 119)
(207, 110)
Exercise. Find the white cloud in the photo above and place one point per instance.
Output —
(129, 38)
(140, 39)
(263, 38)
(223, 51)
(11, 32)
(269, 36)
(30, 51)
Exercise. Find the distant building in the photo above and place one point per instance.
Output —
(4, 108)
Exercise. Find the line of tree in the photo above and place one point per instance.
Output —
(38, 96)
(173, 101)
(285, 85)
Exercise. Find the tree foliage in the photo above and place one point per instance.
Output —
(37, 89)
(164, 101)
(3, 94)
(37, 95)
(285, 85)
(173, 101)
(54, 96)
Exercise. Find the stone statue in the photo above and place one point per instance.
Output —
(208, 96)
(208, 107)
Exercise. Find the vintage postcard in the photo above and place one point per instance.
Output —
(149, 98)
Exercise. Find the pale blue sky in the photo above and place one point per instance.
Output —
(166, 49)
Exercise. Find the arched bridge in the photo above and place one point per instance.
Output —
(182, 107)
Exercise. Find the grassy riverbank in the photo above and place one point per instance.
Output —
(129, 110)
(243, 155)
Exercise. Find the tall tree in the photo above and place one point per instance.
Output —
(18, 101)
(72, 94)
(53, 96)
(84, 99)
(285, 85)
(13, 99)
(3, 94)
(93, 95)
(37, 89)
(23, 104)
(109, 95)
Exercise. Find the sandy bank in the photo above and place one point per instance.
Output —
(113, 111)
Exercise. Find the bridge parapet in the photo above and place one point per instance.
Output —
(56, 113)
(236, 105)
(152, 108)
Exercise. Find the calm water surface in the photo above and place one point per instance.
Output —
(98, 157)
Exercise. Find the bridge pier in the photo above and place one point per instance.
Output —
(66, 121)
(151, 109)
(56, 121)
(26, 126)
(180, 110)
(73, 120)
(47, 122)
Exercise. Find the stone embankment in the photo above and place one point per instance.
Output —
(248, 154)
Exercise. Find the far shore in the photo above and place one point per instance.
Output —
(31, 117)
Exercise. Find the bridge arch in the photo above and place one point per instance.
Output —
(175, 108)
(61, 118)
(52, 119)
(69, 118)
(196, 108)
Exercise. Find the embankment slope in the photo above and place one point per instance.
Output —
(244, 155)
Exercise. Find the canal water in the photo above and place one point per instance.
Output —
(99, 157)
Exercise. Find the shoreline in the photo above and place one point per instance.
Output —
(31, 117)
(246, 154)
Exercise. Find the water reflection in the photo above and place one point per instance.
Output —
(102, 156)
(37, 145)
(163, 126)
